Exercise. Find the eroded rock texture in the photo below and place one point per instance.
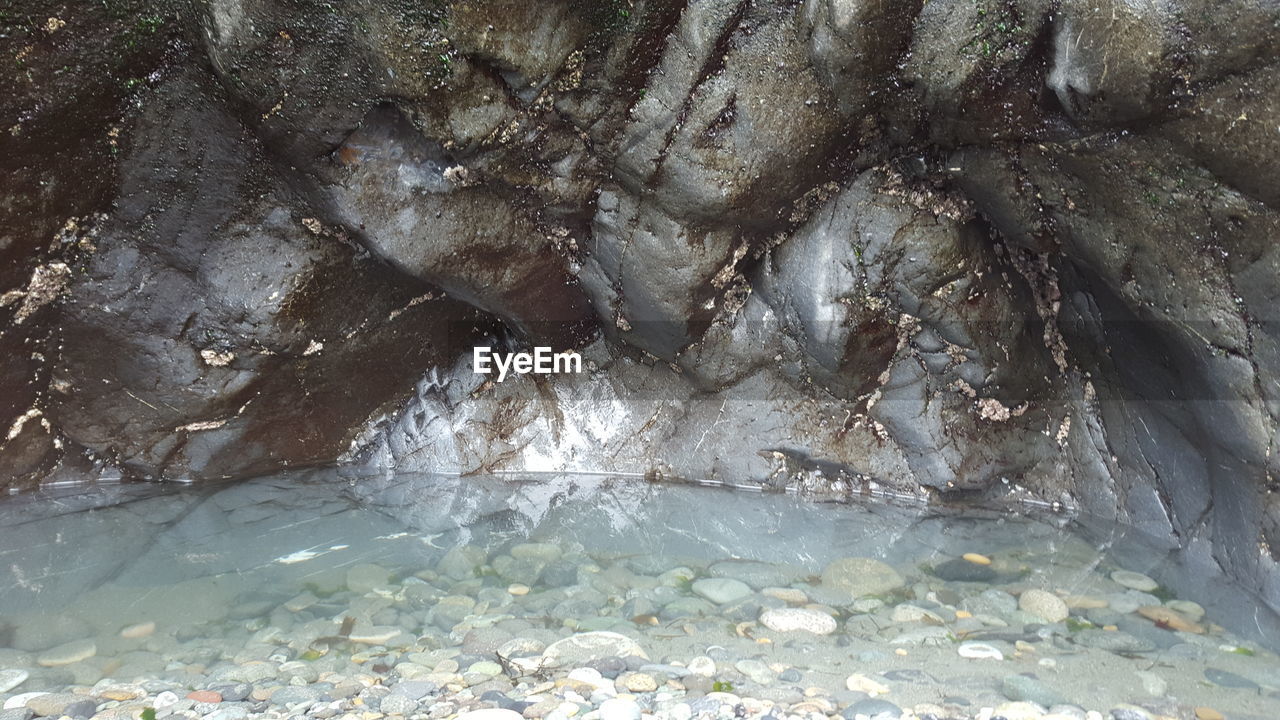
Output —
(968, 248)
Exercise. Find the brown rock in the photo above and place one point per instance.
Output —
(1169, 619)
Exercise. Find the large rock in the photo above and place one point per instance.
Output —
(228, 314)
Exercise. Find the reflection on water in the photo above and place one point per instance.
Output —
(322, 596)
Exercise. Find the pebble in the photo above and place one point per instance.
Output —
(702, 665)
(1130, 712)
(1019, 710)
(721, 591)
(518, 589)
(793, 596)
(1223, 678)
(1170, 619)
(584, 647)
(230, 712)
(1134, 581)
(10, 679)
(394, 704)
(798, 620)
(757, 671)
(1208, 713)
(638, 682)
(138, 631)
(619, 709)
(873, 709)
(366, 577)
(1029, 689)
(204, 696)
(860, 576)
(536, 552)
(907, 613)
(976, 558)
(1112, 640)
(1190, 610)
(20, 700)
(864, 684)
(59, 704)
(958, 570)
(979, 651)
(1044, 605)
(68, 653)
(1153, 684)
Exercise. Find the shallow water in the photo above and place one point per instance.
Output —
(464, 582)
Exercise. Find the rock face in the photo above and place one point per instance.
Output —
(969, 249)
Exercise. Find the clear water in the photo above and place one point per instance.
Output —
(341, 589)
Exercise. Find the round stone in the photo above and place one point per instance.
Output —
(1134, 581)
(491, 714)
(365, 577)
(702, 665)
(68, 653)
(757, 671)
(798, 620)
(486, 667)
(860, 576)
(907, 613)
(793, 596)
(140, 630)
(873, 709)
(1019, 711)
(536, 552)
(397, 705)
(864, 684)
(20, 700)
(377, 635)
(979, 651)
(10, 679)
(638, 682)
(1044, 605)
(619, 709)
(1169, 619)
(721, 591)
(1190, 610)
(580, 649)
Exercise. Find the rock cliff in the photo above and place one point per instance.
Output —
(971, 248)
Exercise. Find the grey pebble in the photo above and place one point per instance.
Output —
(394, 704)
(292, 695)
(609, 667)
(1030, 689)
(874, 709)
(415, 689)
(234, 692)
(232, 712)
(1223, 678)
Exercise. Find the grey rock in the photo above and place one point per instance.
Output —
(1224, 678)
(396, 704)
(1029, 689)
(873, 708)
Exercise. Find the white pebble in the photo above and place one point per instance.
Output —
(979, 651)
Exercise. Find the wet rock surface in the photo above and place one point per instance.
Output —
(970, 250)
